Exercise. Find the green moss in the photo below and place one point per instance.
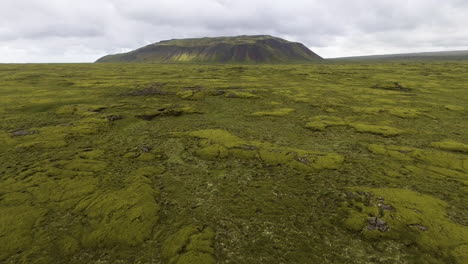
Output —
(409, 217)
(461, 254)
(51, 185)
(451, 145)
(436, 172)
(277, 112)
(88, 126)
(434, 158)
(213, 151)
(91, 154)
(260, 186)
(80, 110)
(191, 244)
(221, 137)
(47, 137)
(69, 245)
(145, 156)
(55, 136)
(6, 140)
(316, 125)
(168, 110)
(17, 226)
(401, 112)
(195, 257)
(221, 143)
(187, 94)
(124, 217)
(149, 171)
(84, 165)
(242, 95)
(386, 131)
(368, 110)
(404, 112)
(320, 123)
(454, 108)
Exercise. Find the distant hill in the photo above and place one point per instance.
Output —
(240, 49)
(440, 55)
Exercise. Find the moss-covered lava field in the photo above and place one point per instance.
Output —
(150, 163)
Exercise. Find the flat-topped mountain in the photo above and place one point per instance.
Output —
(240, 49)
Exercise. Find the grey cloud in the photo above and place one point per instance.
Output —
(68, 30)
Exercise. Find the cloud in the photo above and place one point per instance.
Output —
(82, 31)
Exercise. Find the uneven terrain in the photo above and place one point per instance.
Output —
(326, 163)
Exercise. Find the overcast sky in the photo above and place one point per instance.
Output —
(84, 30)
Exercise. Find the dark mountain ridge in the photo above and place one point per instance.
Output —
(437, 55)
(240, 49)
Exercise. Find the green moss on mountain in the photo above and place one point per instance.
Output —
(240, 49)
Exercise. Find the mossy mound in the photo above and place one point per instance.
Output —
(16, 228)
(218, 143)
(47, 137)
(168, 110)
(385, 131)
(392, 86)
(122, 217)
(56, 136)
(242, 95)
(198, 93)
(108, 217)
(454, 107)
(409, 217)
(434, 158)
(404, 112)
(27, 199)
(401, 112)
(188, 94)
(368, 110)
(191, 244)
(320, 123)
(88, 126)
(276, 112)
(80, 110)
(451, 145)
(6, 139)
(91, 154)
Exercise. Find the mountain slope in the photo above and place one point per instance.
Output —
(440, 55)
(240, 49)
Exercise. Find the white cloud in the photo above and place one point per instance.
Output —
(80, 31)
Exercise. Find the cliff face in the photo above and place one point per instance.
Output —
(241, 49)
